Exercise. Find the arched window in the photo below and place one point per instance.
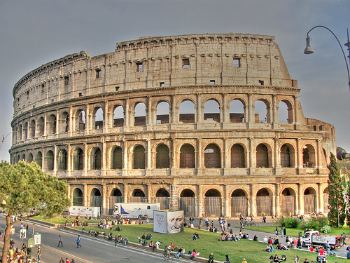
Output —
(140, 114)
(117, 158)
(64, 122)
(80, 120)
(118, 116)
(288, 202)
(213, 204)
(96, 198)
(163, 112)
(39, 159)
(212, 110)
(262, 111)
(163, 197)
(99, 118)
(78, 198)
(25, 129)
(78, 159)
(188, 202)
(139, 161)
(50, 160)
(263, 202)
(52, 124)
(20, 129)
(96, 159)
(237, 156)
(309, 156)
(115, 197)
(262, 156)
(187, 112)
(237, 111)
(187, 156)
(309, 201)
(41, 126)
(62, 160)
(239, 203)
(287, 155)
(30, 158)
(285, 112)
(212, 156)
(138, 196)
(163, 158)
(32, 129)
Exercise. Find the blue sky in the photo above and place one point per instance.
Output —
(37, 31)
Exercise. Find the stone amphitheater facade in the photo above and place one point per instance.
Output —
(208, 123)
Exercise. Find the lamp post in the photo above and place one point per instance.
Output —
(309, 50)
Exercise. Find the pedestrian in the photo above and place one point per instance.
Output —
(67, 260)
(211, 258)
(61, 260)
(60, 243)
(78, 241)
(276, 231)
(284, 231)
(227, 259)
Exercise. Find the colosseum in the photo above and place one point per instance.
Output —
(208, 123)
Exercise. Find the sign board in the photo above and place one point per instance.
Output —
(37, 239)
(84, 211)
(168, 221)
(30, 242)
(22, 233)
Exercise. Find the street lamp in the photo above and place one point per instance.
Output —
(308, 49)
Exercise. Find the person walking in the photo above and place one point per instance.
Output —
(227, 259)
(78, 241)
(211, 258)
(60, 243)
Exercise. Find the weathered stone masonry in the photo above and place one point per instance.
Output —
(208, 123)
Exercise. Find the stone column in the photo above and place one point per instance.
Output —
(174, 201)
(299, 159)
(251, 156)
(226, 209)
(200, 199)
(278, 201)
(199, 118)
(301, 200)
(252, 201)
(320, 199)
(86, 195)
(105, 200)
(150, 113)
(126, 165)
(223, 109)
(86, 159)
(87, 120)
(318, 153)
(106, 117)
(69, 160)
(55, 165)
(58, 126)
(71, 121)
(274, 111)
(104, 158)
(227, 154)
(198, 154)
(174, 113)
(149, 156)
(126, 193)
(251, 110)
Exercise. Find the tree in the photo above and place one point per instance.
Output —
(336, 213)
(25, 188)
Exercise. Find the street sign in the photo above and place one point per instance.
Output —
(31, 242)
(23, 233)
(37, 239)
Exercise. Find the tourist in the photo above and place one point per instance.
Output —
(61, 260)
(179, 253)
(78, 241)
(211, 258)
(60, 243)
(194, 254)
(276, 231)
(227, 259)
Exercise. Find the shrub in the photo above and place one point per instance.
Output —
(289, 222)
(316, 223)
(325, 229)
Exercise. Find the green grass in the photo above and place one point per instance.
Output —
(208, 242)
(295, 231)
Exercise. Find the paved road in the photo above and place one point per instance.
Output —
(92, 250)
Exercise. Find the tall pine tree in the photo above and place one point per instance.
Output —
(336, 213)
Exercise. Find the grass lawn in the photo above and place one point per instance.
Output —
(295, 231)
(208, 242)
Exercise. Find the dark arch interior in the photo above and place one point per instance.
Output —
(116, 192)
(213, 192)
(263, 192)
(187, 193)
(238, 192)
(162, 193)
(138, 193)
(287, 192)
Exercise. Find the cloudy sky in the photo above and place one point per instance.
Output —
(33, 32)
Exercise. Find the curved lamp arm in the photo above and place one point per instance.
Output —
(308, 49)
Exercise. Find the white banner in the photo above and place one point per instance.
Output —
(168, 221)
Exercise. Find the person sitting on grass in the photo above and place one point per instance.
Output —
(195, 236)
(211, 258)
(194, 254)
(255, 238)
(180, 252)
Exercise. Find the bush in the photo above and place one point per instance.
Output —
(315, 223)
(325, 229)
(289, 222)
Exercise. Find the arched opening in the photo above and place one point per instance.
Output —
(41, 126)
(78, 159)
(239, 203)
(30, 158)
(25, 130)
(308, 156)
(237, 111)
(325, 201)
(140, 114)
(96, 159)
(118, 116)
(117, 158)
(39, 159)
(285, 112)
(20, 134)
(187, 156)
(96, 198)
(287, 156)
(187, 112)
(50, 160)
(188, 202)
(288, 202)
(62, 160)
(309, 201)
(23, 157)
(263, 203)
(262, 112)
(262, 156)
(163, 197)
(163, 112)
(162, 158)
(238, 156)
(139, 160)
(80, 120)
(64, 122)
(32, 129)
(138, 196)
(115, 197)
(212, 110)
(212, 156)
(78, 198)
(98, 117)
(212, 202)
(52, 125)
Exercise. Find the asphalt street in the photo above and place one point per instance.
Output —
(92, 250)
